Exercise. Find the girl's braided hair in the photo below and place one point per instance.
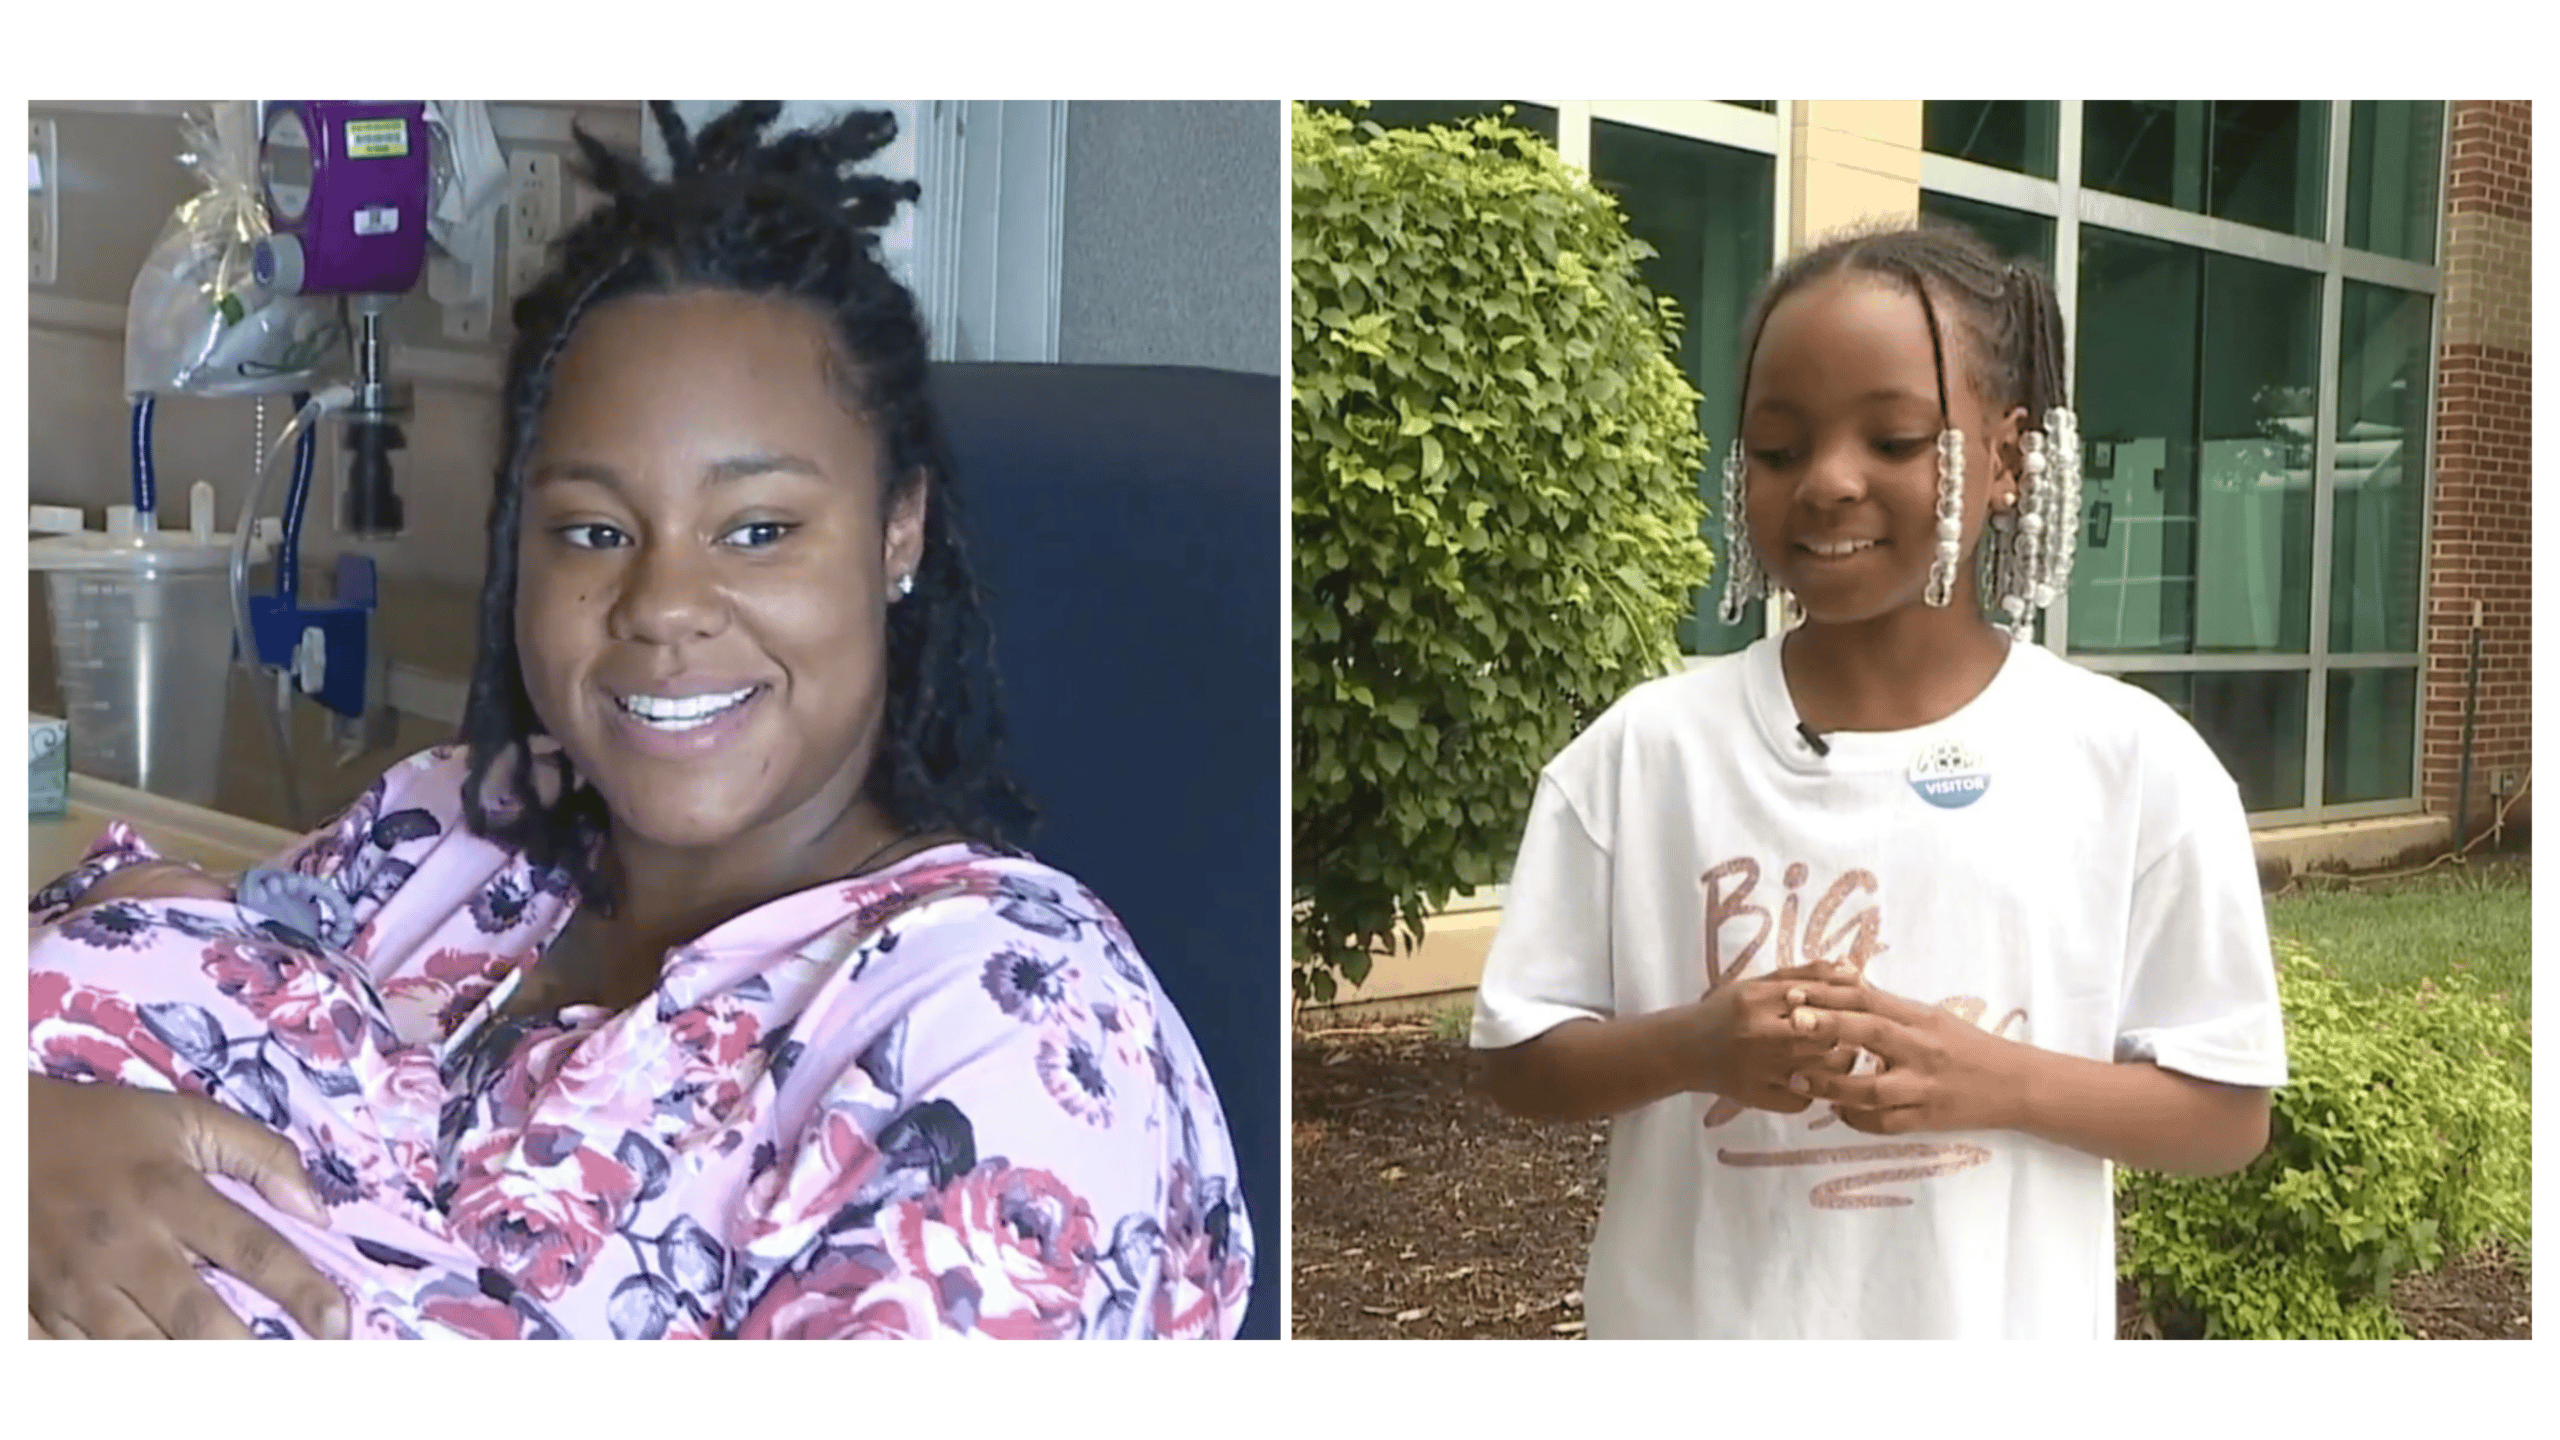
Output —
(2009, 310)
(788, 217)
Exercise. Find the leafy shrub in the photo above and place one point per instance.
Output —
(2404, 1138)
(1496, 509)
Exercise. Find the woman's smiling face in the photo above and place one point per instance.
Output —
(705, 563)
(1841, 436)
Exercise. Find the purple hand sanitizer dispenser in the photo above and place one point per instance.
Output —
(347, 191)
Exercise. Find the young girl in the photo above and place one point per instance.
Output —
(696, 992)
(1881, 939)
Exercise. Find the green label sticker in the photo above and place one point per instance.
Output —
(377, 139)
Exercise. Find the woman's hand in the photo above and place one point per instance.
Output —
(1934, 1070)
(118, 1212)
(155, 880)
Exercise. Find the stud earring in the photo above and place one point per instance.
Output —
(1942, 567)
(906, 585)
(1743, 580)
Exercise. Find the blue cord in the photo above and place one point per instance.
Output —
(145, 492)
(289, 552)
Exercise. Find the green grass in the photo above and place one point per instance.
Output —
(2398, 932)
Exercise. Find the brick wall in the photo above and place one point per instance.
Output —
(2480, 548)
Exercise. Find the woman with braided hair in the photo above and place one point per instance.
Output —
(699, 990)
(1884, 937)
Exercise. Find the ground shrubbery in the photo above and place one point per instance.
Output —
(1496, 507)
(2404, 1137)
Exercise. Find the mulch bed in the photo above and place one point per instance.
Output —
(1422, 1213)
(2481, 1298)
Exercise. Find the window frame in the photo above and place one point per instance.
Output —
(2070, 205)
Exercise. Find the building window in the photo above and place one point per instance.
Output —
(2227, 436)
(2018, 234)
(2196, 385)
(2378, 528)
(2395, 153)
(2257, 162)
(1709, 212)
(2372, 735)
(2010, 134)
(2253, 719)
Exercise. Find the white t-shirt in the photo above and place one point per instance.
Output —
(2062, 861)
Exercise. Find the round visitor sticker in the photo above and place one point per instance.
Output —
(1949, 775)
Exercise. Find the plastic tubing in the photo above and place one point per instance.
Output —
(145, 484)
(296, 497)
(296, 433)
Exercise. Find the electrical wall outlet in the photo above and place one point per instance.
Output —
(538, 186)
(2502, 784)
(533, 216)
(44, 204)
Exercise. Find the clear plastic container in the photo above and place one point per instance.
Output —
(142, 639)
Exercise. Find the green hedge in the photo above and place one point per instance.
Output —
(1496, 517)
(2404, 1138)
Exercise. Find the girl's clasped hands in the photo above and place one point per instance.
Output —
(1819, 1034)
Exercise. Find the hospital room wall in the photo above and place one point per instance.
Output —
(1167, 203)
